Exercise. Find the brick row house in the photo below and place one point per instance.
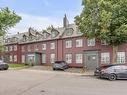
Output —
(63, 43)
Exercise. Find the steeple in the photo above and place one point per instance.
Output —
(65, 21)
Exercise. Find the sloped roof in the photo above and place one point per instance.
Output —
(61, 33)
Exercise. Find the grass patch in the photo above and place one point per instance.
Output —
(18, 66)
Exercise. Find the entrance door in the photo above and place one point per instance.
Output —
(91, 60)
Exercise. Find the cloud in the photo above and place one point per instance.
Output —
(37, 22)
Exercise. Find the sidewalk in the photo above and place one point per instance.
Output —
(70, 70)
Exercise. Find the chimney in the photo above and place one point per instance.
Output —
(65, 22)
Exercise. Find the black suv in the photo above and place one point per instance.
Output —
(60, 65)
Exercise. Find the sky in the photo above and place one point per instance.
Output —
(40, 14)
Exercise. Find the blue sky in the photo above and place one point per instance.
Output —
(42, 13)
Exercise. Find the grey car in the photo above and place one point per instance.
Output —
(3, 65)
(114, 72)
(60, 65)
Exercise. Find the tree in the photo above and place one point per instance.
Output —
(8, 19)
(104, 20)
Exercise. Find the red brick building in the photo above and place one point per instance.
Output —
(64, 43)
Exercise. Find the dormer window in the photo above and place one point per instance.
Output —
(54, 33)
(69, 32)
(24, 38)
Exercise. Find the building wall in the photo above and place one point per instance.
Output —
(60, 50)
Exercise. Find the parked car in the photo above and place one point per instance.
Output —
(3, 65)
(98, 69)
(60, 65)
(112, 72)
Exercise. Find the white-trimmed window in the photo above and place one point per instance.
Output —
(78, 58)
(29, 48)
(23, 48)
(36, 47)
(52, 58)
(6, 48)
(52, 45)
(91, 42)
(68, 44)
(105, 58)
(43, 58)
(15, 58)
(43, 46)
(11, 58)
(120, 57)
(23, 58)
(79, 43)
(11, 48)
(68, 58)
(103, 42)
(15, 47)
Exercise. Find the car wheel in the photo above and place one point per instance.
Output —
(112, 77)
(5, 68)
(54, 69)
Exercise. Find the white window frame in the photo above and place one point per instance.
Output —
(23, 48)
(11, 58)
(23, 59)
(105, 58)
(43, 58)
(52, 45)
(43, 46)
(79, 58)
(121, 57)
(79, 42)
(28, 47)
(52, 58)
(68, 58)
(68, 44)
(36, 46)
(91, 42)
(15, 58)
(11, 48)
(6, 48)
(103, 42)
(15, 47)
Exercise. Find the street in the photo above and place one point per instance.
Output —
(38, 82)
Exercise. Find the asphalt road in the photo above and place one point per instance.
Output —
(37, 82)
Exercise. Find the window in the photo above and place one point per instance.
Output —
(43, 46)
(78, 58)
(11, 48)
(52, 45)
(6, 48)
(23, 58)
(105, 58)
(120, 57)
(103, 42)
(15, 47)
(23, 48)
(68, 58)
(43, 58)
(15, 58)
(68, 44)
(11, 58)
(29, 48)
(69, 32)
(79, 43)
(91, 42)
(54, 33)
(52, 58)
(36, 47)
